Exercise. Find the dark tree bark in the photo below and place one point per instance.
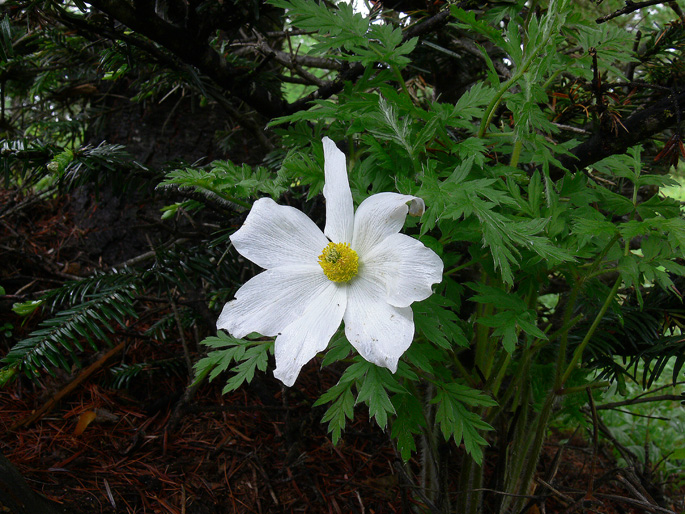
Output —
(652, 119)
(194, 50)
(17, 497)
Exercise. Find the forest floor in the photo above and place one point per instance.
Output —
(260, 449)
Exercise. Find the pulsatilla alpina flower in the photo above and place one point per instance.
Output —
(360, 270)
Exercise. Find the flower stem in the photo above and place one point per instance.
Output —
(578, 353)
(516, 153)
(533, 54)
(460, 267)
(570, 305)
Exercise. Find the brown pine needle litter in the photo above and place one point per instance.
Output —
(228, 454)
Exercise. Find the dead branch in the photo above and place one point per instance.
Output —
(635, 6)
(648, 399)
(69, 388)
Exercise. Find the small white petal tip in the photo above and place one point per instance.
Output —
(417, 207)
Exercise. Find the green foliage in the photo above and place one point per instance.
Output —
(517, 226)
(83, 314)
(248, 356)
(365, 42)
(226, 180)
(27, 307)
(512, 316)
(376, 384)
(74, 292)
(455, 419)
(45, 165)
(439, 324)
(408, 424)
(89, 320)
(495, 211)
(122, 376)
(341, 398)
(652, 446)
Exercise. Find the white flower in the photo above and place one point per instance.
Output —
(362, 271)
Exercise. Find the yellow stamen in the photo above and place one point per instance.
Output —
(339, 262)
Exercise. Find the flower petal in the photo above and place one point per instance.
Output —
(380, 332)
(406, 268)
(380, 216)
(272, 300)
(339, 207)
(309, 334)
(278, 235)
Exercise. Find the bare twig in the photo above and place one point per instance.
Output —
(596, 81)
(628, 455)
(642, 124)
(638, 415)
(470, 47)
(197, 53)
(561, 495)
(209, 198)
(639, 503)
(181, 333)
(628, 8)
(647, 399)
(290, 60)
(569, 128)
(146, 256)
(641, 495)
(29, 201)
(65, 391)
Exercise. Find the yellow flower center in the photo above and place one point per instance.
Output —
(339, 262)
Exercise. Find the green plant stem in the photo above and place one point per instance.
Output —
(494, 135)
(481, 332)
(400, 79)
(565, 328)
(494, 103)
(584, 388)
(603, 253)
(523, 472)
(237, 201)
(483, 345)
(517, 445)
(561, 353)
(533, 453)
(578, 353)
(570, 305)
(465, 484)
(464, 372)
(518, 385)
(499, 375)
(516, 153)
(497, 99)
(460, 267)
(546, 85)
(476, 485)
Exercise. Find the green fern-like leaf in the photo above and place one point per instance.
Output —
(122, 376)
(248, 356)
(63, 335)
(457, 421)
(647, 336)
(76, 291)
